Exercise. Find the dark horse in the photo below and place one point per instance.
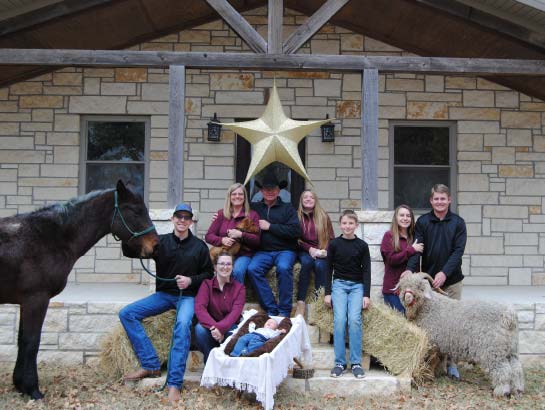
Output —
(38, 250)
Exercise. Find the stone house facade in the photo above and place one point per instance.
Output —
(497, 137)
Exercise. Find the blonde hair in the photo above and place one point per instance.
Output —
(322, 223)
(394, 227)
(439, 189)
(228, 208)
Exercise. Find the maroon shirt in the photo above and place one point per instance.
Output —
(309, 237)
(219, 228)
(219, 308)
(395, 263)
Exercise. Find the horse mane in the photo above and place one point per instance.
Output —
(63, 213)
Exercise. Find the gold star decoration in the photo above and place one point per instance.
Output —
(274, 137)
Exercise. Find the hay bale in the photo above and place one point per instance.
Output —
(400, 345)
(116, 354)
(251, 296)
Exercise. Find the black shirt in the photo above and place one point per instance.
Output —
(188, 257)
(349, 259)
(444, 244)
(285, 228)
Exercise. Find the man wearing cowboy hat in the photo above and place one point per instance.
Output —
(280, 230)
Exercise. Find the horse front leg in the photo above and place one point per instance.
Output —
(25, 375)
(20, 363)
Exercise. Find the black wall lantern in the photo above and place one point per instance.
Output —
(328, 131)
(214, 129)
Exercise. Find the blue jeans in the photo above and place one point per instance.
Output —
(308, 264)
(131, 318)
(261, 262)
(393, 301)
(240, 268)
(347, 299)
(204, 340)
(248, 343)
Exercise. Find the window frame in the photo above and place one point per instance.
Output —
(85, 119)
(453, 160)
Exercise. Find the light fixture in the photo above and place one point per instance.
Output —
(214, 129)
(328, 131)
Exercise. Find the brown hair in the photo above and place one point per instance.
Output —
(439, 189)
(223, 253)
(394, 227)
(350, 214)
(228, 208)
(322, 222)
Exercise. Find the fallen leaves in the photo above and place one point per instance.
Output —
(82, 388)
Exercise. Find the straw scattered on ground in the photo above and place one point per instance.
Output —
(84, 387)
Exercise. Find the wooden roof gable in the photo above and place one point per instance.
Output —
(415, 26)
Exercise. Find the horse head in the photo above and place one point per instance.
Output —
(131, 223)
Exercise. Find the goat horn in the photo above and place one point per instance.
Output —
(425, 275)
(441, 291)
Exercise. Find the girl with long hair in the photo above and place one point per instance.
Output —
(396, 248)
(316, 230)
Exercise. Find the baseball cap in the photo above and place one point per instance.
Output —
(183, 208)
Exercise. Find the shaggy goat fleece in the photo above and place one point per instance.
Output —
(400, 346)
(478, 331)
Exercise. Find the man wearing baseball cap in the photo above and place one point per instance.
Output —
(185, 258)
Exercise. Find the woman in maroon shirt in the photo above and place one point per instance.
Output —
(316, 230)
(396, 249)
(218, 306)
(223, 231)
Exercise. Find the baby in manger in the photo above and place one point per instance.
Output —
(256, 337)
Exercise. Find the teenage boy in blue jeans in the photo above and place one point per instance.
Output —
(350, 268)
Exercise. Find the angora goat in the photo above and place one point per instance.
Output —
(481, 332)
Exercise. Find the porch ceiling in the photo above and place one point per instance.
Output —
(417, 26)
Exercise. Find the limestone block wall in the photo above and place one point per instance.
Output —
(499, 133)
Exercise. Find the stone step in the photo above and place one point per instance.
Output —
(375, 382)
(323, 358)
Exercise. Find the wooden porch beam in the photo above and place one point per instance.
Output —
(46, 13)
(369, 140)
(128, 58)
(176, 135)
(312, 25)
(239, 25)
(276, 15)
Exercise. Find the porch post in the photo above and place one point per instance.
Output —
(176, 133)
(369, 140)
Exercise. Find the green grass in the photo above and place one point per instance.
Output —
(82, 387)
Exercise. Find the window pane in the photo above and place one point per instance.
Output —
(122, 141)
(412, 185)
(421, 145)
(105, 176)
